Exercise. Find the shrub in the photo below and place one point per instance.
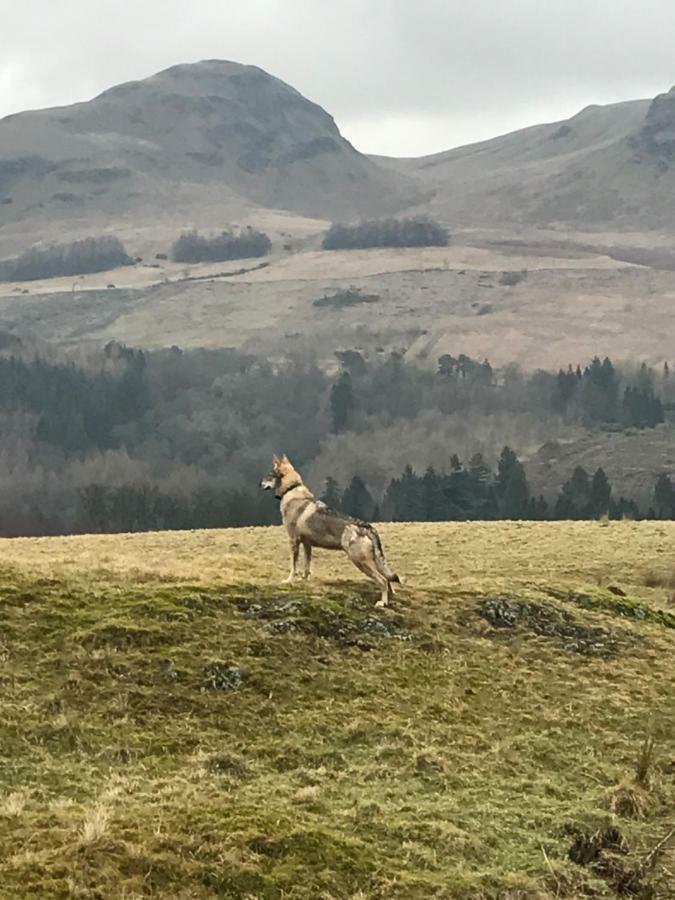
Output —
(510, 279)
(194, 247)
(349, 297)
(79, 258)
(411, 232)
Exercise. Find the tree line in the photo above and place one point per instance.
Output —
(134, 440)
(476, 492)
(407, 232)
(596, 395)
(93, 254)
(194, 247)
(101, 254)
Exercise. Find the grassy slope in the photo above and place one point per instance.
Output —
(348, 763)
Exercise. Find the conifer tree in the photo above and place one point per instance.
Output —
(357, 500)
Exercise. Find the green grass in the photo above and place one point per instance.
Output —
(414, 753)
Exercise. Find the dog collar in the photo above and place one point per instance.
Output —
(291, 487)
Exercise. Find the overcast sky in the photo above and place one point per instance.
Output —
(401, 77)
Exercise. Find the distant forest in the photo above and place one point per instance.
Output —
(407, 232)
(94, 254)
(194, 247)
(127, 440)
(102, 254)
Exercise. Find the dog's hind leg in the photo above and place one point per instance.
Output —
(360, 551)
(307, 547)
(295, 553)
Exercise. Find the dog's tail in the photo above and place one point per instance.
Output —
(380, 558)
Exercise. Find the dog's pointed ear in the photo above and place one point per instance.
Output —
(285, 459)
(275, 459)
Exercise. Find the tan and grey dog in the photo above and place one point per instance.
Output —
(311, 523)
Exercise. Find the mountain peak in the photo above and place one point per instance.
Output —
(219, 124)
(658, 132)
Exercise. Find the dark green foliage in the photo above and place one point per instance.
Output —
(591, 397)
(342, 402)
(600, 494)
(641, 408)
(173, 439)
(404, 499)
(582, 497)
(510, 279)
(332, 495)
(79, 258)
(511, 488)
(357, 500)
(340, 299)
(144, 507)
(75, 410)
(575, 496)
(664, 497)
(410, 232)
(194, 247)
(599, 392)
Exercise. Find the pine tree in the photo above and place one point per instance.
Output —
(342, 402)
(480, 488)
(565, 388)
(433, 497)
(600, 494)
(404, 499)
(332, 495)
(664, 497)
(357, 501)
(599, 392)
(575, 496)
(541, 510)
(511, 487)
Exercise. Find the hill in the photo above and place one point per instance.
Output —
(177, 724)
(213, 134)
(607, 166)
(565, 306)
(214, 142)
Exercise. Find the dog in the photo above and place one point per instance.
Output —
(311, 523)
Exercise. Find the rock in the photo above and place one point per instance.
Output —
(222, 677)
(548, 621)
(168, 669)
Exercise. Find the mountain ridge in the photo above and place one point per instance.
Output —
(213, 124)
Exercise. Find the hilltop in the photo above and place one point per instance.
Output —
(176, 723)
(560, 244)
(203, 140)
(217, 141)
(606, 167)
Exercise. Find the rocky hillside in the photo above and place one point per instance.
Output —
(607, 166)
(213, 133)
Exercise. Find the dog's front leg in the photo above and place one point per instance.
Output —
(307, 547)
(295, 553)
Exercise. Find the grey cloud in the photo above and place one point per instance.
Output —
(399, 77)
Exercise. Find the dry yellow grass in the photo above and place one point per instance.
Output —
(453, 556)
(571, 306)
(177, 724)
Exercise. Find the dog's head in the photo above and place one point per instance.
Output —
(281, 468)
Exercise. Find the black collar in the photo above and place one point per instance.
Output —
(291, 487)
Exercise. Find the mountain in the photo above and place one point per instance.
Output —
(214, 142)
(606, 166)
(213, 134)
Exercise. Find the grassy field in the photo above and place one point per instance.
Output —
(176, 723)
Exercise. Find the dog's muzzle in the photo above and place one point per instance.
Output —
(268, 484)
